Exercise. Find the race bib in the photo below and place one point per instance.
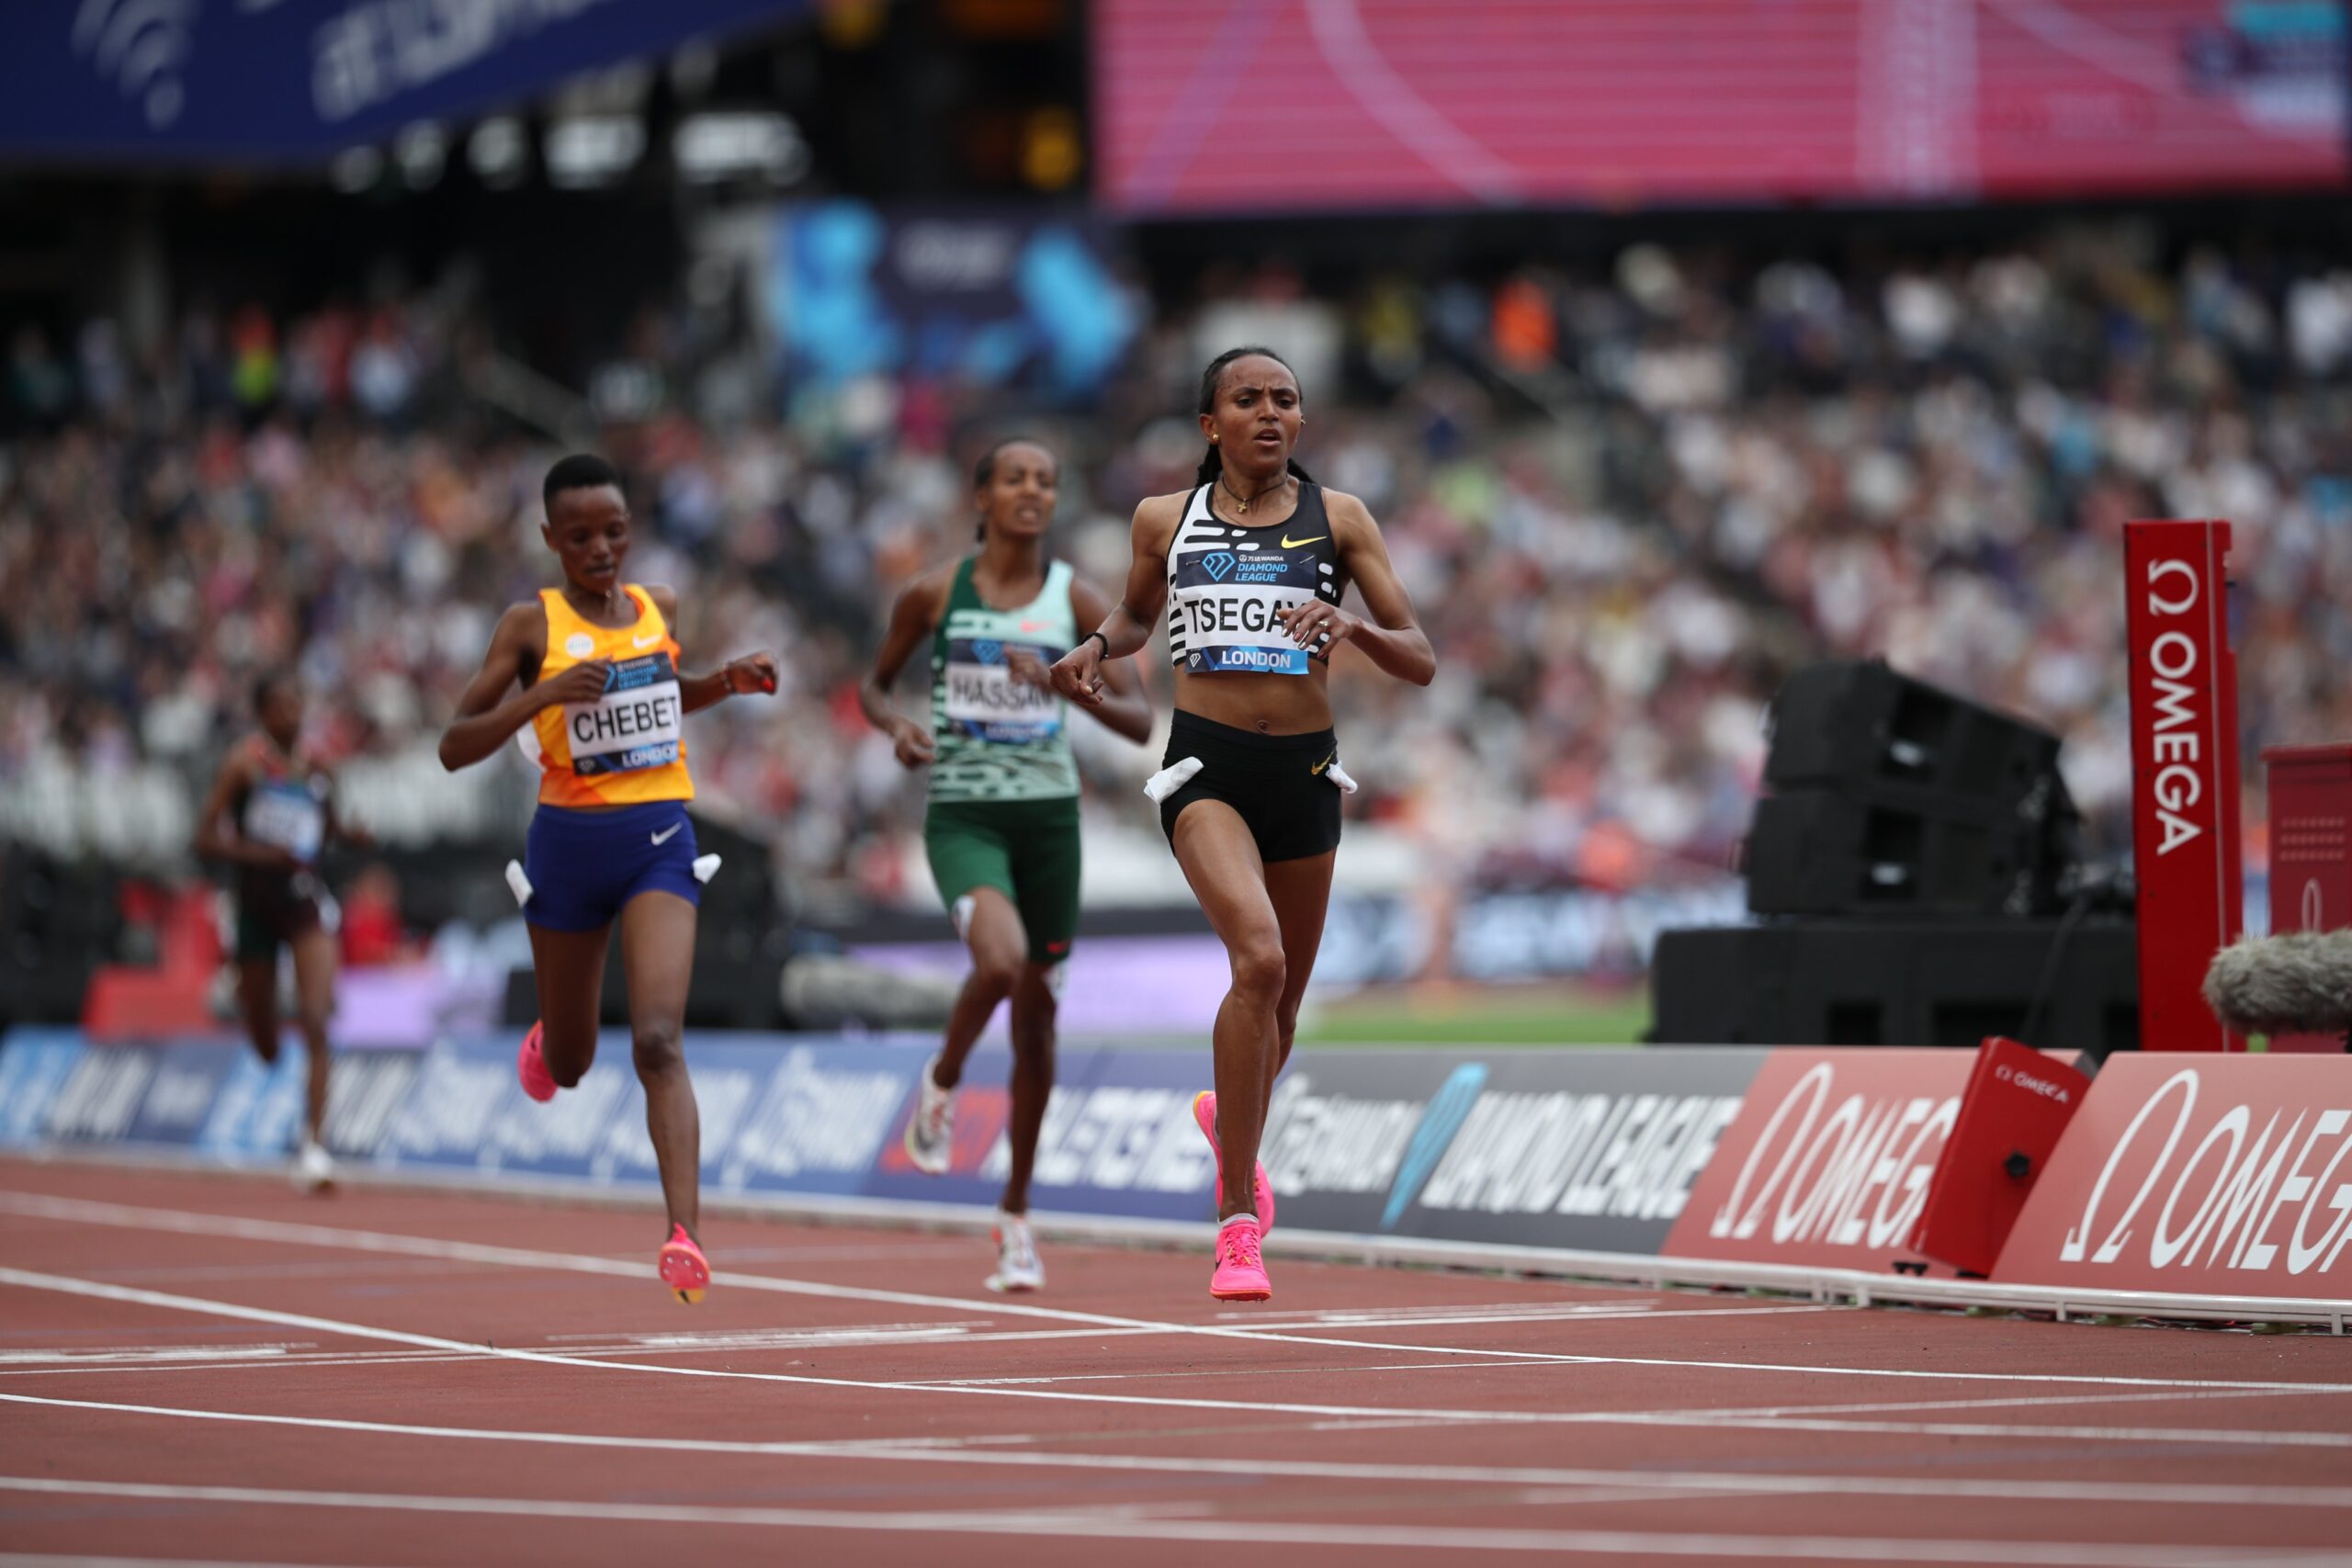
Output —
(286, 815)
(1226, 607)
(985, 702)
(634, 725)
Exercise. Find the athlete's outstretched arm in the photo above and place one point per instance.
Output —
(1125, 709)
(736, 678)
(484, 722)
(920, 604)
(216, 839)
(1079, 674)
(1393, 638)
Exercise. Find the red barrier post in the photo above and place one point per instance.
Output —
(2017, 1105)
(2311, 852)
(2184, 776)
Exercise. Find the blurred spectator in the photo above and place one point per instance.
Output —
(371, 929)
(1626, 503)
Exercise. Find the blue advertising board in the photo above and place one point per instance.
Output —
(1118, 1138)
(1592, 1149)
(295, 80)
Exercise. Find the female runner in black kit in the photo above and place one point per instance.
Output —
(1251, 565)
(271, 814)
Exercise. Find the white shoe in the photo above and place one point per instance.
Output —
(931, 1130)
(313, 1168)
(1017, 1266)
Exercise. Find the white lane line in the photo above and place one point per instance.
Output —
(1124, 1527)
(111, 1358)
(97, 1291)
(1762, 1418)
(136, 1218)
(2217, 1437)
(179, 1222)
(1347, 1320)
(320, 1324)
(435, 1359)
(953, 1451)
(1310, 1316)
(1211, 1373)
(686, 1339)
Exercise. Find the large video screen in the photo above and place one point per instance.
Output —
(1228, 106)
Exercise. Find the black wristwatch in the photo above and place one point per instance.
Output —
(1098, 636)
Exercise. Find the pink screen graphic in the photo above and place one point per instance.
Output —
(1221, 106)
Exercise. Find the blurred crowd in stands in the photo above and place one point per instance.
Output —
(1627, 500)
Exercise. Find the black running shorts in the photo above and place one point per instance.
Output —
(1280, 784)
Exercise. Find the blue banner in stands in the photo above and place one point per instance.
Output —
(984, 297)
(298, 80)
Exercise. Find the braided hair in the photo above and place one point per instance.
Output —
(1212, 462)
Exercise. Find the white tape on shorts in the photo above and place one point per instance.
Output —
(1171, 779)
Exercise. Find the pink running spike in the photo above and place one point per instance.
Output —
(683, 1266)
(1240, 1266)
(531, 1068)
(1204, 1113)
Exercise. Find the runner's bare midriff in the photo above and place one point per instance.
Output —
(1271, 704)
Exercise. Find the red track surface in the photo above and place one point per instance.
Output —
(412, 1379)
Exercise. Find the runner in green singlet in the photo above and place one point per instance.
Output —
(1002, 824)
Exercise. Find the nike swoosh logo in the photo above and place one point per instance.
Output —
(1291, 544)
(646, 641)
(1326, 762)
(668, 833)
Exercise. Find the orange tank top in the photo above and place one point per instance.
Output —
(629, 746)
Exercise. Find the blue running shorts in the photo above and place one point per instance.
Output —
(585, 865)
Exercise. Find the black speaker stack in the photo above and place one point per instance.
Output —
(1916, 871)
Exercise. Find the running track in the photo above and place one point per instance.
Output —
(211, 1368)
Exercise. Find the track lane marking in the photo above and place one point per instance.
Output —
(944, 1452)
(138, 1218)
(185, 1223)
(99, 1291)
(1122, 1527)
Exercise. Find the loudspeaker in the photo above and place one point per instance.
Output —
(2056, 983)
(1892, 796)
(1816, 852)
(1862, 728)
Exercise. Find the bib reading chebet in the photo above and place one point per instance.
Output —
(627, 747)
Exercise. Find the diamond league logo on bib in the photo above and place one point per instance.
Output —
(1218, 564)
(988, 651)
